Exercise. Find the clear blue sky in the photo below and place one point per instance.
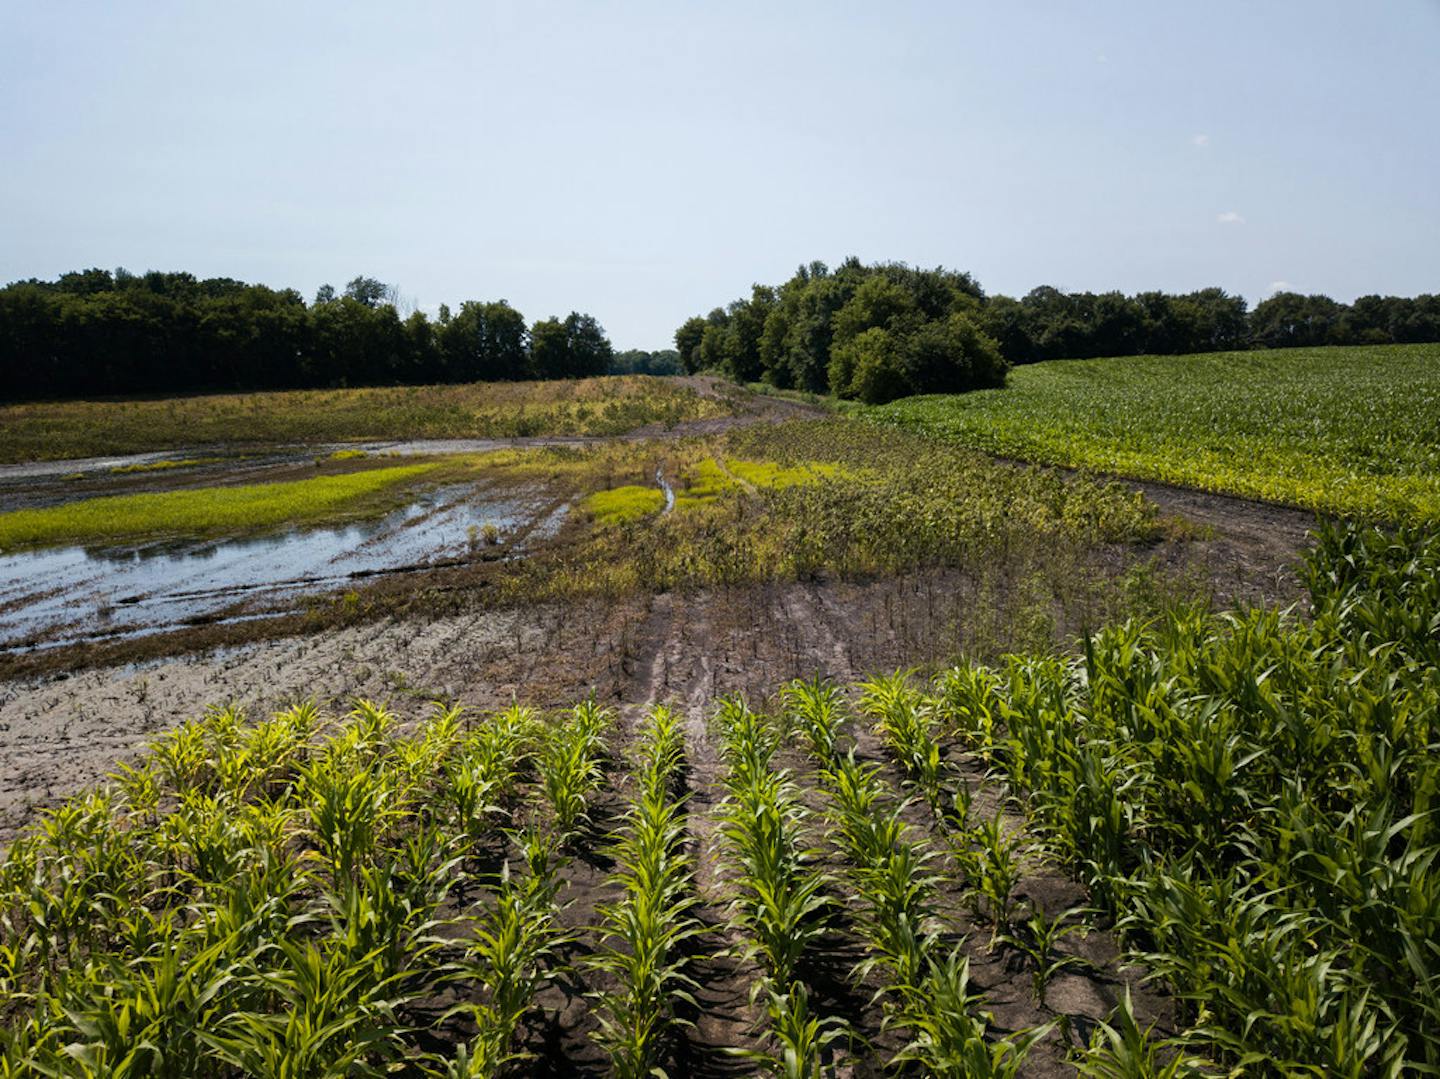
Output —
(647, 161)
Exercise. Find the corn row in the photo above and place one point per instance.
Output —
(986, 853)
(511, 954)
(926, 989)
(780, 901)
(644, 933)
(570, 762)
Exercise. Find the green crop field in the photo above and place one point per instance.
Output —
(1352, 431)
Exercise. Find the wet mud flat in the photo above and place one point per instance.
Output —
(61, 730)
(60, 596)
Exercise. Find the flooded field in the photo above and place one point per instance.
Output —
(63, 595)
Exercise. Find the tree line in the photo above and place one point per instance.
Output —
(637, 361)
(886, 330)
(95, 332)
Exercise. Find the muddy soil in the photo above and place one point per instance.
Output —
(60, 732)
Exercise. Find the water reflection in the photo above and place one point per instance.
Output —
(68, 593)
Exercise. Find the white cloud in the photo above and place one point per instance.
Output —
(1230, 217)
(1101, 58)
(1201, 141)
(1281, 286)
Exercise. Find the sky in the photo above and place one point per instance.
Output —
(647, 161)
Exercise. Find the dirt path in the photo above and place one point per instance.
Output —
(1252, 546)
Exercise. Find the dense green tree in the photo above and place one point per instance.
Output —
(1416, 320)
(951, 355)
(687, 343)
(735, 350)
(573, 348)
(590, 351)
(879, 303)
(806, 332)
(547, 348)
(711, 353)
(867, 366)
(484, 342)
(637, 361)
(422, 351)
(912, 355)
(1290, 320)
(97, 332)
(86, 282)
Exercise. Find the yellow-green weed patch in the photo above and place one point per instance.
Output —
(620, 504)
(710, 478)
(770, 474)
(703, 483)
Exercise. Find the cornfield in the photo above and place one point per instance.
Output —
(1246, 798)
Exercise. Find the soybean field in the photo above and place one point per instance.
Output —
(1346, 430)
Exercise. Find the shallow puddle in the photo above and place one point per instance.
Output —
(61, 595)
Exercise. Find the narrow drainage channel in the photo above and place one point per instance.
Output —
(665, 486)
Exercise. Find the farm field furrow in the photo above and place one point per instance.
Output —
(1346, 430)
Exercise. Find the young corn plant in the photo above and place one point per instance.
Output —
(350, 806)
(514, 950)
(803, 1038)
(644, 933)
(998, 870)
(949, 1035)
(1120, 1049)
(482, 772)
(817, 708)
(570, 765)
(1037, 938)
(388, 914)
(905, 727)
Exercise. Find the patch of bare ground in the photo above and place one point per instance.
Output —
(1245, 551)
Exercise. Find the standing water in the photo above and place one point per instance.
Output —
(62, 595)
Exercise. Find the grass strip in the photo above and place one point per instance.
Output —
(628, 503)
(202, 511)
